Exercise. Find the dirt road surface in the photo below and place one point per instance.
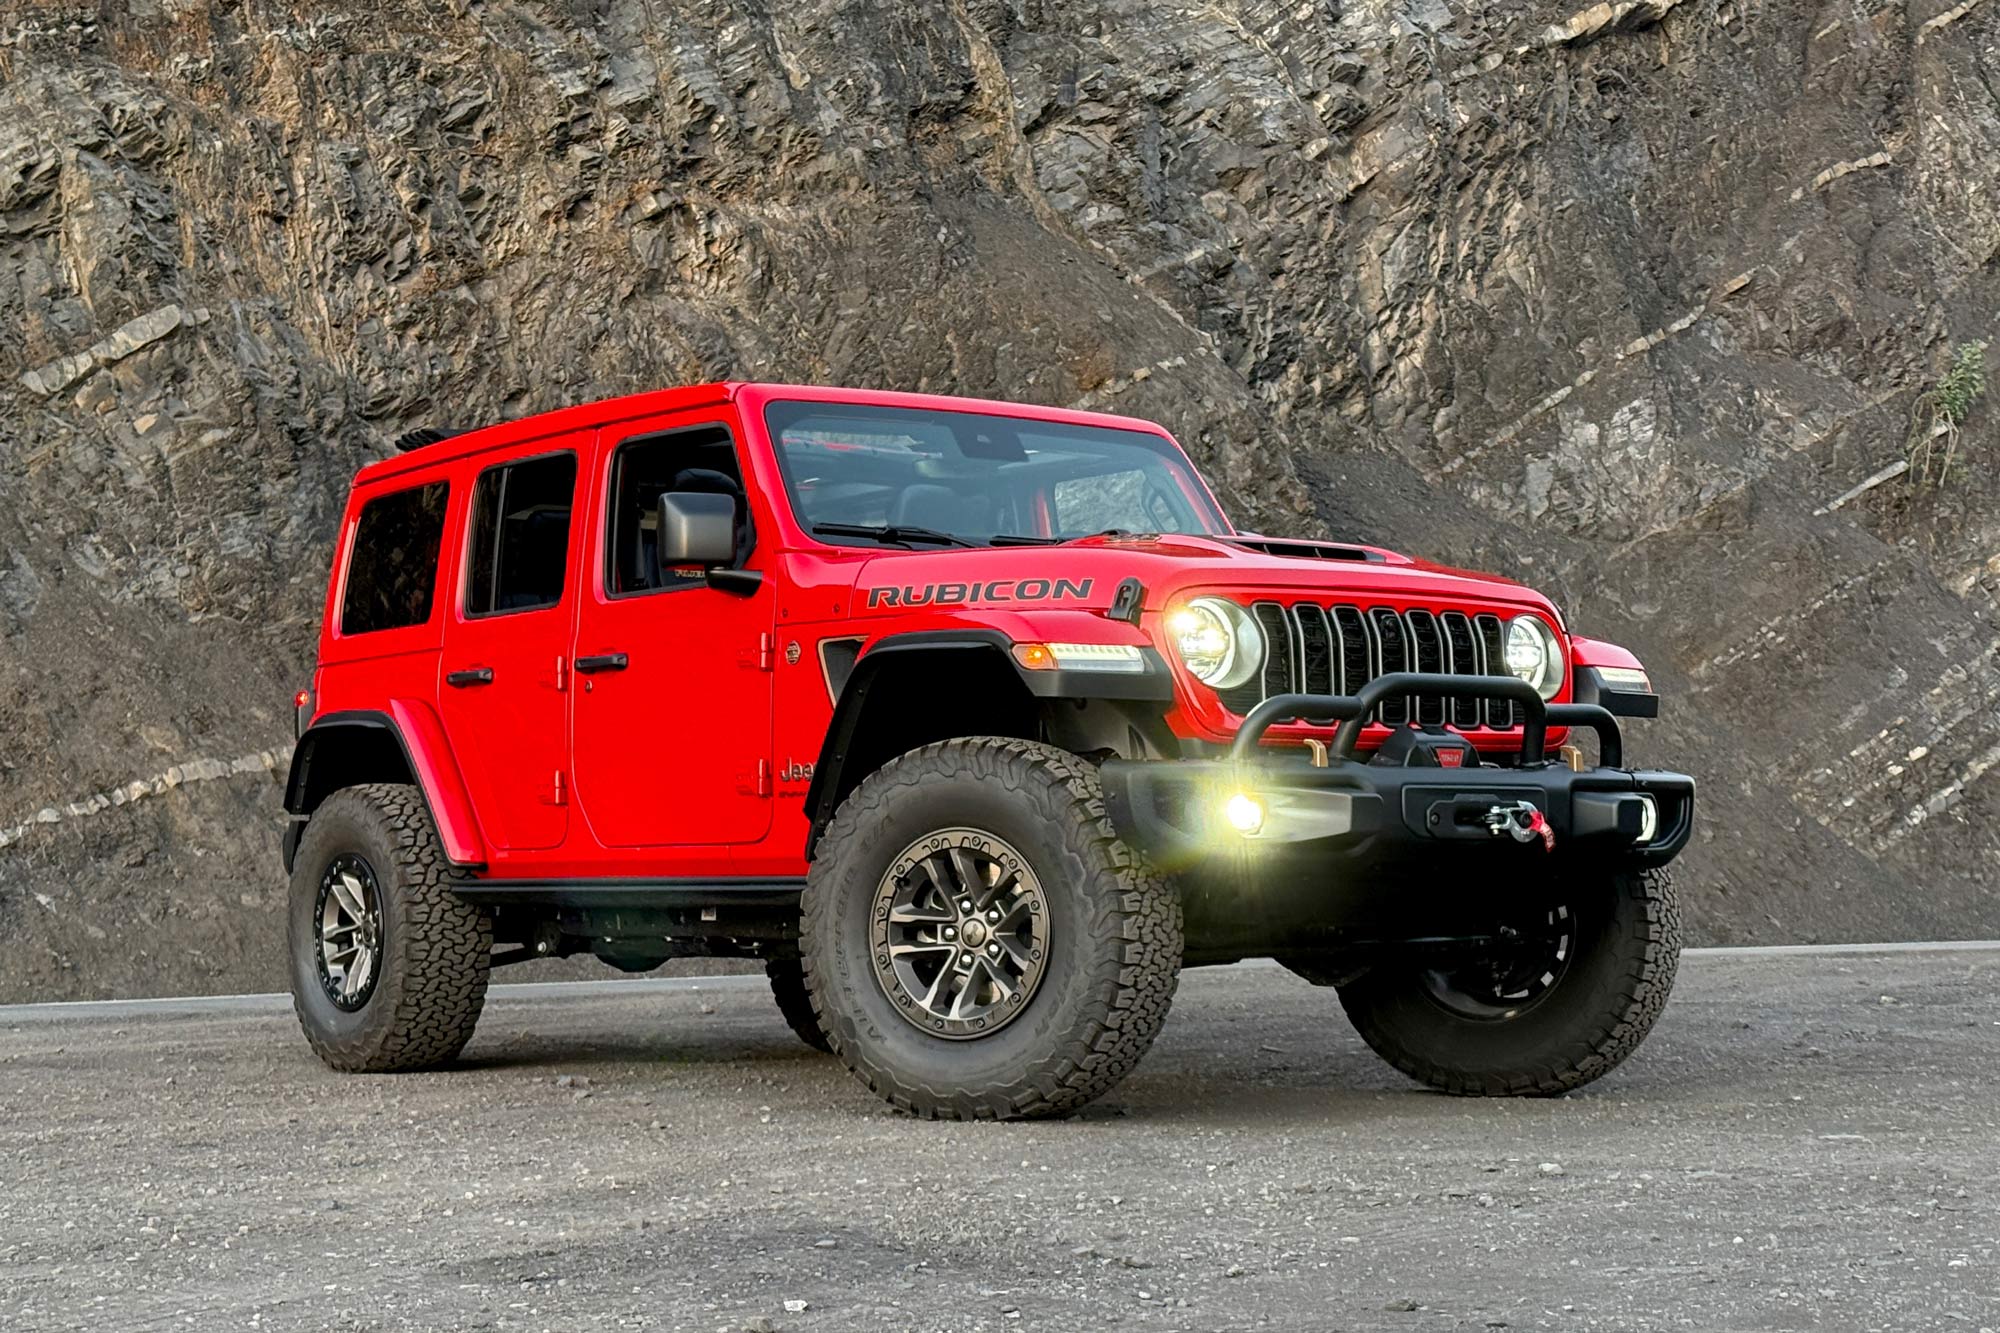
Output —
(1809, 1141)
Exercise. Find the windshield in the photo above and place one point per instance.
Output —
(910, 476)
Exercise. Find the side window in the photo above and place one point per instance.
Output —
(392, 568)
(518, 548)
(703, 459)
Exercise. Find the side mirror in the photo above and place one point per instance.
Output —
(697, 528)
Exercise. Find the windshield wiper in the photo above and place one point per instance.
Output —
(900, 533)
(1016, 539)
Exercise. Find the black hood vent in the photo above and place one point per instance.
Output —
(1305, 550)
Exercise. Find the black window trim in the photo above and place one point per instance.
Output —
(431, 613)
(472, 524)
(609, 564)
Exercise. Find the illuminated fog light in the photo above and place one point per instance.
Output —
(1244, 812)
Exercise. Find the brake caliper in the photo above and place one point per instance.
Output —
(1521, 821)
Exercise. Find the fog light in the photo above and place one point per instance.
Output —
(1244, 812)
(1649, 818)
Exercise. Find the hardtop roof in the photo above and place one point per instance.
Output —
(609, 411)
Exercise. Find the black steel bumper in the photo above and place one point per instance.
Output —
(1319, 818)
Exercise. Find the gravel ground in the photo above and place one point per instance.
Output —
(1808, 1141)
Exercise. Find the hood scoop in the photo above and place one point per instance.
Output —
(1306, 550)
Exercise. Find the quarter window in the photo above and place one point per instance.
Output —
(519, 544)
(392, 569)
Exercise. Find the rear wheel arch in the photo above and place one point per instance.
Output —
(363, 746)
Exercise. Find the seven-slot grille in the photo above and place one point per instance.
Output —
(1312, 649)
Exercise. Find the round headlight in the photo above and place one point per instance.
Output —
(1217, 640)
(1534, 655)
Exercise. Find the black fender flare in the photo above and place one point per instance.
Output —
(426, 764)
(1152, 685)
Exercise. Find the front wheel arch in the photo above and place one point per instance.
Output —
(890, 703)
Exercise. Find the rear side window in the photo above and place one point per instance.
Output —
(520, 536)
(392, 570)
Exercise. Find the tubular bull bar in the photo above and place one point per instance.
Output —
(1178, 811)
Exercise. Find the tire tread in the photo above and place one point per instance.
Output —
(1133, 986)
(434, 981)
(1651, 924)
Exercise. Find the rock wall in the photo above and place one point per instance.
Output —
(1615, 299)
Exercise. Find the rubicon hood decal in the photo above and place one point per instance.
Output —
(989, 592)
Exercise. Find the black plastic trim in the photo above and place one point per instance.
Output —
(1393, 810)
(1154, 685)
(366, 719)
(633, 893)
(1591, 689)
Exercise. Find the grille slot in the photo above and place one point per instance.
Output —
(1426, 655)
(1499, 712)
(1337, 649)
(1393, 655)
(1462, 658)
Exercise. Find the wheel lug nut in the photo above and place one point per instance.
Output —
(965, 904)
(993, 950)
(950, 933)
(992, 914)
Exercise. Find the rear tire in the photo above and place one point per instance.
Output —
(370, 875)
(1604, 999)
(1064, 917)
(788, 988)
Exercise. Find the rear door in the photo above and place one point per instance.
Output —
(673, 687)
(503, 694)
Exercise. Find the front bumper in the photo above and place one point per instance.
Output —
(1349, 811)
(1174, 811)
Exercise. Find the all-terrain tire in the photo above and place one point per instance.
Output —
(435, 952)
(1628, 945)
(788, 987)
(1113, 942)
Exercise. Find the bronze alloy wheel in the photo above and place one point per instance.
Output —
(959, 934)
(349, 912)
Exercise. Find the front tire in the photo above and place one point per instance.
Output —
(1530, 1025)
(389, 966)
(978, 943)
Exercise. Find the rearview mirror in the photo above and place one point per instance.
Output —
(697, 528)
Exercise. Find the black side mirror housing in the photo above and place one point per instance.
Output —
(696, 528)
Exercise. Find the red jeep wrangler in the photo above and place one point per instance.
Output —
(975, 722)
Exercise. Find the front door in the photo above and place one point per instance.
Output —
(672, 707)
(502, 695)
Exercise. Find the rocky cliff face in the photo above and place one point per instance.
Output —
(1615, 299)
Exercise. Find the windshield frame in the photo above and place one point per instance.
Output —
(777, 411)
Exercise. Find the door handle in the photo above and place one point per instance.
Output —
(590, 666)
(470, 676)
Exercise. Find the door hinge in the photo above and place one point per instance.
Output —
(766, 655)
(562, 673)
(760, 785)
(561, 797)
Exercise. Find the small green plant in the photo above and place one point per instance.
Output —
(1940, 409)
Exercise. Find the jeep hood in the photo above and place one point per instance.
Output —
(1085, 575)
